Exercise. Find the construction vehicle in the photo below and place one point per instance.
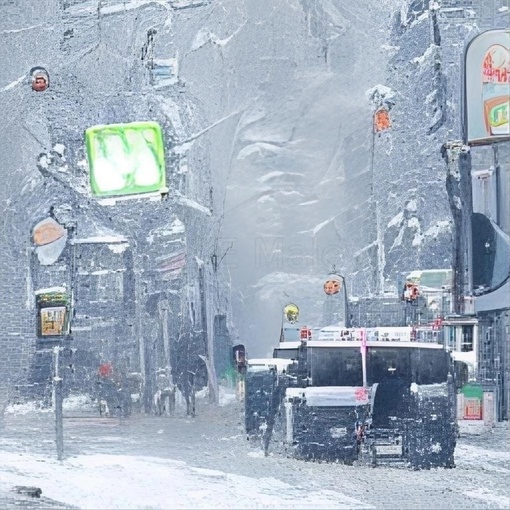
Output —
(371, 395)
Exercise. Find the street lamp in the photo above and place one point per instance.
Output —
(333, 286)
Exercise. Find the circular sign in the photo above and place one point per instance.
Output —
(305, 333)
(332, 286)
(47, 231)
(291, 313)
(40, 79)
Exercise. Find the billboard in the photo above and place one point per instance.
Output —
(487, 88)
(126, 159)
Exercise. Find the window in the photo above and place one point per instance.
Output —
(285, 353)
(336, 366)
(422, 366)
(430, 366)
(467, 339)
(450, 337)
(389, 362)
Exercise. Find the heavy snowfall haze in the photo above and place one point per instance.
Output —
(275, 175)
(268, 117)
(272, 96)
(291, 167)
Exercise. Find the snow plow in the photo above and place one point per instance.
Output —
(370, 395)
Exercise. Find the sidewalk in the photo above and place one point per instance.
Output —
(206, 462)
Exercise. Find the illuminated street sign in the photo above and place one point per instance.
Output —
(126, 159)
(53, 314)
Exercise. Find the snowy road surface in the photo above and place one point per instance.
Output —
(177, 462)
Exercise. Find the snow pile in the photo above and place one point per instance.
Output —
(25, 408)
(227, 395)
(380, 94)
(77, 403)
(487, 496)
(146, 482)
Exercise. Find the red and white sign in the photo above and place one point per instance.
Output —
(305, 333)
(472, 408)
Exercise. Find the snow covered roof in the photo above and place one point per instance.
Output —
(50, 290)
(100, 239)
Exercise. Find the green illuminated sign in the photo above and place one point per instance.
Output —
(126, 159)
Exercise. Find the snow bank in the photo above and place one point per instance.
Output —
(380, 94)
(487, 496)
(77, 403)
(146, 482)
(25, 408)
(49, 290)
(227, 396)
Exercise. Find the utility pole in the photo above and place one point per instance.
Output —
(140, 338)
(344, 290)
(57, 401)
(163, 314)
(208, 341)
(458, 185)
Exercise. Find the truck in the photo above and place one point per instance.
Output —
(351, 395)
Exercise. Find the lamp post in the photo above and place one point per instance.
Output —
(346, 302)
(333, 286)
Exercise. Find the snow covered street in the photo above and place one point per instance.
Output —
(177, 462)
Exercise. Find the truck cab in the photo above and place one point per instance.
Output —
(342, 394)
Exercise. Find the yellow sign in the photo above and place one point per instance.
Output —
(291, 313)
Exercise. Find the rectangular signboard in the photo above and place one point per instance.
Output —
(53, 321)
(472, 408)
(472, 402)
(487, 88)
(126, 159)
(53, 315)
